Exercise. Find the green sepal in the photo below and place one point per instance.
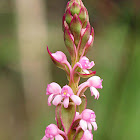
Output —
(85, 75)
(69, 42)
(57, 115)
(78, 1)
(84, 40)
(67, 116)
(83, 105)
(75, 124)
(83, 14)
(68, 16)
(71, 134)
(75, 28)
(79, 134)
(91, 44)
(75, 9)
(69, 4)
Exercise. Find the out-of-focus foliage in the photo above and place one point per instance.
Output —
(116, 53)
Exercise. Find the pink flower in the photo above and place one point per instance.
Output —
(53, 89)
(84, 61)
(87, 120)
(60, 57)
(52, 132)
(94, 82)
(87, 135)
(84, 64)
(67, 93)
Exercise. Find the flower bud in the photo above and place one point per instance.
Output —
(76, 23)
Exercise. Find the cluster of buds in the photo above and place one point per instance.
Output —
(74, 121)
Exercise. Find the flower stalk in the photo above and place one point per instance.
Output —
(74, 121)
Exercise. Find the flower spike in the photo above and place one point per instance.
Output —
(74, 120)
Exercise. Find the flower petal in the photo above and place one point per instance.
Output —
(94, 92)
(94, 125)
(91, 64)
(53, 88)
(44, 138)
(87, 135)
(77, 116)
(86, 71)
(90, 126)
(60, 56)
(66, 102)
(83, 124)
(95, 81)
(50, 98)
(85, 63)
(57, 100)
(76, 99)
(59, 137)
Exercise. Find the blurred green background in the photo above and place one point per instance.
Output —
(26, 27)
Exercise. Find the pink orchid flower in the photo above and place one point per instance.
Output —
(52, 131)
(84, 64)
(60, 57)
(67, 93)
(55, 91)
(87, 135)
(88, 120)
(94, 82)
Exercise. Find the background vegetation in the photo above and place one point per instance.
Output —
(26, 27)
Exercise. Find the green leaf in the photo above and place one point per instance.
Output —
(83, 105)
(67, 116)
